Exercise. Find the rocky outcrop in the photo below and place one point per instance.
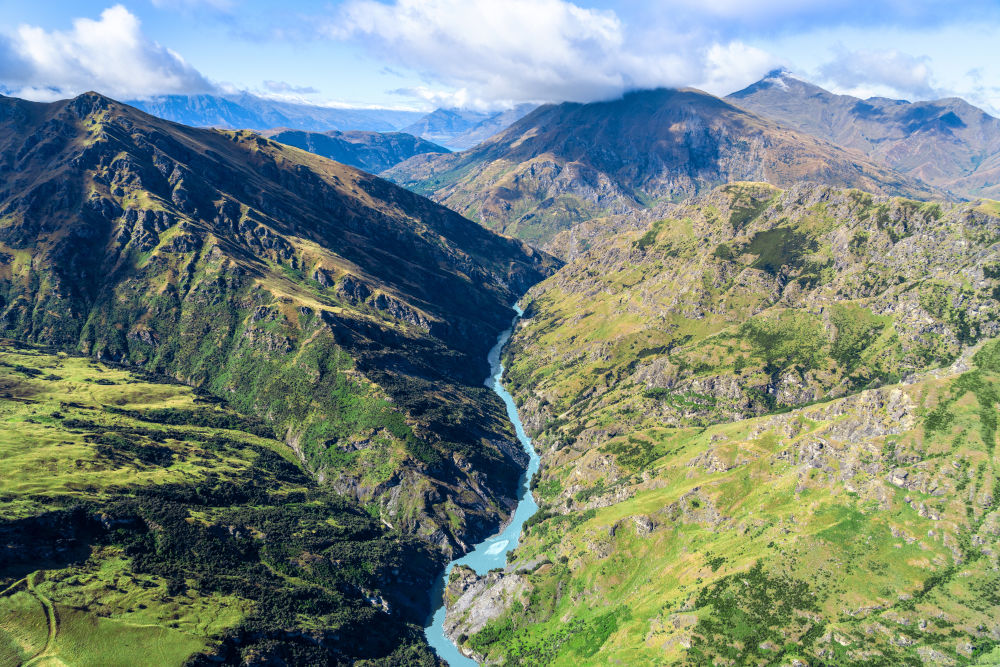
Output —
(473, 601)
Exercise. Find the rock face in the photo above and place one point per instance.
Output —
(948, 143)
(562, 164)
(352, 315)
(474, 601)
(370, 151)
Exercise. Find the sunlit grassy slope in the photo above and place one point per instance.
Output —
(143, 523)
(859, 531)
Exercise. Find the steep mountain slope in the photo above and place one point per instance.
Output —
(250, 112)
(566, 163)
(767, 424)
(144, 523)
(352, 315)
(370, 151)
(948, 143)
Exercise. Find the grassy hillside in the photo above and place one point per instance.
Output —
(144, 522)
(860, 531)
(768, 433)
(750, 300)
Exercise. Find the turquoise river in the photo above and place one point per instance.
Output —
(492, 552)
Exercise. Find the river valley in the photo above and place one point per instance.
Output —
(492, 552)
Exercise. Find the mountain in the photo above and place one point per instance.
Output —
(459, 129)
(486, 128)
(565, 163)
(948, 143)
(250, 112)
(349, 317)
(443, 125)
(767, 425)
(371, 151)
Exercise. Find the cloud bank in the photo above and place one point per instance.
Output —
(534, 50)
(484, 52)
(867, 72)
(110, 54)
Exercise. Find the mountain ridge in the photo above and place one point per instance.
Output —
(948, 143)
(370, 151)
(245, 111)
(200, 247)
(564, 163)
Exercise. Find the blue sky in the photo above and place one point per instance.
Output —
(492, 53)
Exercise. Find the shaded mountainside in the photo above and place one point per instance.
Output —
(563, 164)
(142, 522)
(370, 151)
(767, 423)
(350, 314)
(244, 111)
(948, 143)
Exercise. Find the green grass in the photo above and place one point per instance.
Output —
(745, 527)
(208, 532)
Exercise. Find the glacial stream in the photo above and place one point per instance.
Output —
(492, 552)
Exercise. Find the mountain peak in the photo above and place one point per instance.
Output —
(564, 163)
(89, 103)
(779, 73)
(780, 79)
(947, 143)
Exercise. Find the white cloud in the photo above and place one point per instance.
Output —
(776, 16)
(110, 55)
(733, 66)
(487, 53)
(880, 72)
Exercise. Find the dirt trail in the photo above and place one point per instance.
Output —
(50, 616)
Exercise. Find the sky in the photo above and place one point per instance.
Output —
(488, 54)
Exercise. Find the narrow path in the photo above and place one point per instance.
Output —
(50, 616)
(22, 580)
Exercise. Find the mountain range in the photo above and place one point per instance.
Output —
(343, 319)
(564, 163)
(370, 151)
(243, 418)
(947, 143)
(244, 111)
(459, 129)
(456, 129)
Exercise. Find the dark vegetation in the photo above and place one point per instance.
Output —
(267, 533)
